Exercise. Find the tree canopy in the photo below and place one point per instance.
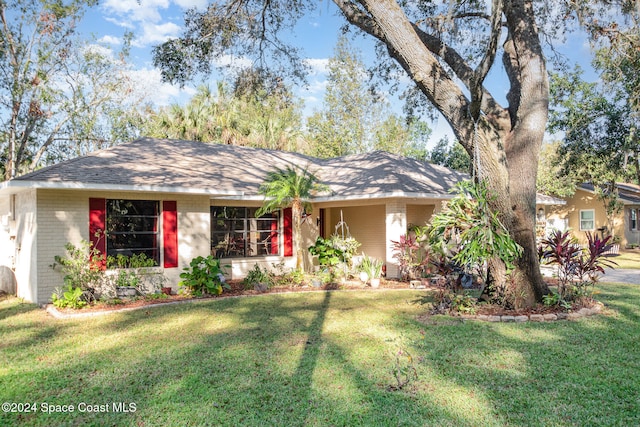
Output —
(446, 49)
(60, 96)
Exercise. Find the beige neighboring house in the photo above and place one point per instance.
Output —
(584, 212)
(174, 200)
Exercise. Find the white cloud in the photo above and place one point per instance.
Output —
(149, 82)
(157, 33)
(110, 40)
(317, 65)
(188, 4)
(316, 86)
(140, 11)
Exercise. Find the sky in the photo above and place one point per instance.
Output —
(155, 21)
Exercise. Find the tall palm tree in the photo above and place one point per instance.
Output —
(290, 187)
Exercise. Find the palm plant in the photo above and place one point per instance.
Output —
(290, 187)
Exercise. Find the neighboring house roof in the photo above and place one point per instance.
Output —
(543, 199)
(629, 194)
(219, 170)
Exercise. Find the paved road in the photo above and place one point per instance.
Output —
(621, 275)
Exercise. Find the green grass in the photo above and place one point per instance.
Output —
(628, 259)
(320, 359)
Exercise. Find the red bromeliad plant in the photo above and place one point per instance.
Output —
(407, 251)
(595, 259)
(575, 265)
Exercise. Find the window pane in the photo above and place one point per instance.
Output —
(236, 232)
(587, 220)
(132, 228)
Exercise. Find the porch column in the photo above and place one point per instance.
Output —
(396, 225)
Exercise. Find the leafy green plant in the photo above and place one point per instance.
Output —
(140, 260)
(468, 231)
(82, 269)
(204, 276)
(553, 298)
(371, 266)
(258, 276)
(348, 246)
(71, 298)
(577, 269)
(328, 255)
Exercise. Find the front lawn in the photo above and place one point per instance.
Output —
(628, 259)
(324, 358)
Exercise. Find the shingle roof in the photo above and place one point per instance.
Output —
(187, 166)
(628, 193)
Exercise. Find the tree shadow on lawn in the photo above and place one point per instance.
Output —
(557, 373)
(8, 308)
(515, 374)
(215, 377)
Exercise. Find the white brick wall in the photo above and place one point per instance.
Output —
(63, 216)
(26, 256)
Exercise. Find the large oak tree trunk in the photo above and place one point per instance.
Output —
(504, 142)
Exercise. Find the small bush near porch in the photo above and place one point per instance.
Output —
(324, 358)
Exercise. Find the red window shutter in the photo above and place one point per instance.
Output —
(287, 232)
(97, 224)
(274, 238)
(170, 233)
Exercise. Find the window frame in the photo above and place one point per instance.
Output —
(144, 219)
(242, 234)
(633, 219)
(593, 219)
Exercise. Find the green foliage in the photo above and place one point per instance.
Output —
(468, 232)
(82, 267)
(258, 276)
(371, 266)
(599, 127)
(328, 255)
(577, 268)
(290, 187)
(61, 96)
(262, 115)
(551, 179)
(71, 298)
(452, 156)
(127, 278)
(140, 260)
(204, 276)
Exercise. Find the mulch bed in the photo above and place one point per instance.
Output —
(236, 288)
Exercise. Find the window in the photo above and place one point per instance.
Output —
(236, 232)
(633, 219)
(132, 228)
(587, 220)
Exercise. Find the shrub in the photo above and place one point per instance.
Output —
(405, 252)
(258, 276)
(71, 298)
(468, 232)
(328, 255)
(82, 269)
(203, 277)
(577, 268)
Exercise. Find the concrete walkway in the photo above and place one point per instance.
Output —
(621, 275)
